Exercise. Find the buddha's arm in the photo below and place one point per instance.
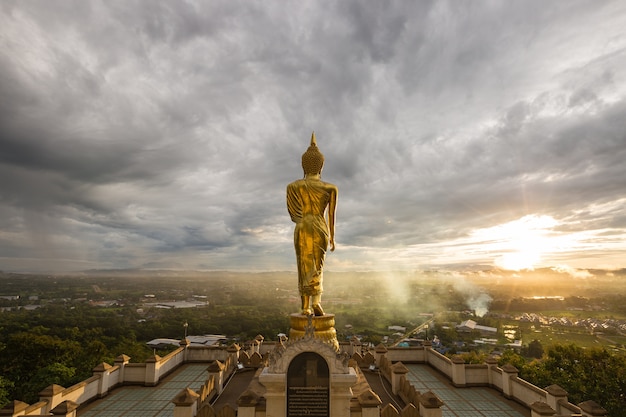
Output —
(294, 205)
(332, 207)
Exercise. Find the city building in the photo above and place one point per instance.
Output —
(471, 325)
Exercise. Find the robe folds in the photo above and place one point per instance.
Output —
(307, 200)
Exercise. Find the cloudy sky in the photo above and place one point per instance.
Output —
(162, 134)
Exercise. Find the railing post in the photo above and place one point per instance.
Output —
(430, 405)
(65, 409)
(428, 347)
(541, 409)
(103, 370)
(556, 394)
(458, 372)
(492, 363)
(52, 395)
(185, 403)
(216, 370)
(233, 353)
(592, 409)
(14, 408)
(381, 351)
(184, 343)
(509, 372)
(398, 370)
(370, 404)
(246, 404)
(152, 371)
(121, 361)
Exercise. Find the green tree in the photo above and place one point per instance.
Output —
(535, 349)
(510, 357)
(26, 352)
(55, 373)
(473, 357)
(586, 374)
(6, 387)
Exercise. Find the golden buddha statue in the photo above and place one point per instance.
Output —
(311, 203)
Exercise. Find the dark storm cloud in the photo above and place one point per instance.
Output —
(164, 133)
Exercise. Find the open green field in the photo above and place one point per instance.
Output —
(549, 335)
(583, 314)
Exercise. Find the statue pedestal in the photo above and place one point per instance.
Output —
(324, 328)
(307, 376)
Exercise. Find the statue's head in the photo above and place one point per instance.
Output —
(312, 159)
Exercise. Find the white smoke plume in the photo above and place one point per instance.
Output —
(475, 297)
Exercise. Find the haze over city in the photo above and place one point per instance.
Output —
(162, 134)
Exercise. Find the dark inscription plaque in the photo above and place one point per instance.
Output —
(308, 388)
(307, 402)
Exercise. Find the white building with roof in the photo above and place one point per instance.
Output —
(471, 325)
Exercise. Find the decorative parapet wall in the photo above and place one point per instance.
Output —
(504, 379)
(440, 362)
(135, 373)
(476, 375)
(525, 392)
(420, 404)
(172, 361)
(552, 401)
(407, 354)
(206, 353)
(58, 400)
(188, 401)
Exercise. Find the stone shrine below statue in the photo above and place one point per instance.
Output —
(321, 327)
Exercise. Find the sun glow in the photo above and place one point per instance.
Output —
(519, 244)
(518, 260)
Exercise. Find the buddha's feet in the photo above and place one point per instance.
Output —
(318, 310)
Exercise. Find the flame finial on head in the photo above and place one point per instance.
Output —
(312, 159)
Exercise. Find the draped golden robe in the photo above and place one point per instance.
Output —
(307, 201)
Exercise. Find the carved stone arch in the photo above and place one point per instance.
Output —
(280, 360)
(308, 385)
(308, 369)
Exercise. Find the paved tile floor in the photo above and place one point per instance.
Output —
(466, 402)
(131, 401)
(136, 401)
